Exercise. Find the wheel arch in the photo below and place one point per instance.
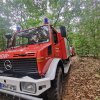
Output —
(51, 73)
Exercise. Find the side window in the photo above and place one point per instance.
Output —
(55, 38)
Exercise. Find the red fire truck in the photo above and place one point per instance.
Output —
(34, 63)
(72, 51)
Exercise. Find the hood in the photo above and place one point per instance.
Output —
(28, 51)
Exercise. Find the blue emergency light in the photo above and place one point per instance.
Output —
(46, 21)
(18, 28)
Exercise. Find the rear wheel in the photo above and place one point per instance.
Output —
(55, 92)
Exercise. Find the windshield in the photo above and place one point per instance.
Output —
(33, 36)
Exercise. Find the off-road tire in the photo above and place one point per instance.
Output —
(55, 92)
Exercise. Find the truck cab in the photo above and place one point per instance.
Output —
(34, 62)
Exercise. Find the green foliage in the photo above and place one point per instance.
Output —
(81, 44)
(31, 23)
(81, 18)
(4, 24)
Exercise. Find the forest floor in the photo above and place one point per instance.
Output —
(82, 81)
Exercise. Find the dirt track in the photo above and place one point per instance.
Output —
(82, 82)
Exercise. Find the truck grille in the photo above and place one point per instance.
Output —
(27, 65)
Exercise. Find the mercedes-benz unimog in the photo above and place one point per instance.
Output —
(34, 63)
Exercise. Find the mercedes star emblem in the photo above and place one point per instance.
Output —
(7, 65)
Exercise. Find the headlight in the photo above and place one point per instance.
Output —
(28, 87)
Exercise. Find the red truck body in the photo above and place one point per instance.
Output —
(39, 51)
(19, 59)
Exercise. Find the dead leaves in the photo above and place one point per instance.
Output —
(84, 80)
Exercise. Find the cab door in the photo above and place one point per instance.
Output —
(56, 44)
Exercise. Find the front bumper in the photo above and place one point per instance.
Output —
(44, 83)
(27, 97)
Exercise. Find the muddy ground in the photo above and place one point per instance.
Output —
(82, 82)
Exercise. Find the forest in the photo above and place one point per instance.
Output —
(81, 18)
(82, 21)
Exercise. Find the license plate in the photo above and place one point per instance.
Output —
(8, 87)
(1, 85)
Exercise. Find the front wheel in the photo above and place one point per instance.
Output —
(55, 92)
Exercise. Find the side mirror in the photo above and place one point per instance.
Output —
(63, 31)
(8, 36)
